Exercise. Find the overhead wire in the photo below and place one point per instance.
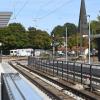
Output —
(26, 2)
(14, 3)
(41, 6)
(44, 5)
(56, 9)
(17, 14)
(42, 17)
(14, 9)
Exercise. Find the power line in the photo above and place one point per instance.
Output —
(26, 2)
(14, 4)
(56, 9)
(44, 5)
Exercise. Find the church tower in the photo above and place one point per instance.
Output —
(83, 26)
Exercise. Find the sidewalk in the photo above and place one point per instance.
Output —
(6, 68)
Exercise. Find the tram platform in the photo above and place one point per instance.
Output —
(27, 89)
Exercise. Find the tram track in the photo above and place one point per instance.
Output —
(65, 86)
(51, 91)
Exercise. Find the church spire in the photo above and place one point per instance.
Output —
(83, 26)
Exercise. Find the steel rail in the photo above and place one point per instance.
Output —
(84, 94)
(51, 91)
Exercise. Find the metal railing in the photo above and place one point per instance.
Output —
(86, 74)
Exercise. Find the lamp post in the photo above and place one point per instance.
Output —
(53, 44)
(89, 38)
(66, 46)
(0, 53)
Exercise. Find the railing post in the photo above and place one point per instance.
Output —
(46, 65)
(67, 71)
(41, 64)
(28, 61)
(53, 67)
(62, 69)
(74, 72)
(57, 67)
(90, 77)
(34, 62)
(49, 69)
(38, 63)
(81, 74)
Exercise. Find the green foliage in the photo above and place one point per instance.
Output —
(95, 29)
(39, 39)
(15, 36)
(73, 39)
(16, 28)
(58, 31)
(95, 26)
(61, 30)
(60, 34)
(71, 29)
(98, 18)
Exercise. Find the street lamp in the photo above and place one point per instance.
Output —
(89, 38)
(53, 44)
(66, 46)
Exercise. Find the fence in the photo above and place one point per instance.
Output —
(86, 74)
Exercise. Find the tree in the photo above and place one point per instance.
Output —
(19, 33)
(98, 18)
(14, 36)
(71, 29)
(31, 29)
(94, 26)
(60, 32)
(95, 29)
(16, 28)
(39, 39)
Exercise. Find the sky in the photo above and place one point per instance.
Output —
(46, 14)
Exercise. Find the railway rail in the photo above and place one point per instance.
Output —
(50, 90)
(65, 85)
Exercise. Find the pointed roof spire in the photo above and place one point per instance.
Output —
(83, 26)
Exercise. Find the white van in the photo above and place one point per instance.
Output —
(21, 52)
